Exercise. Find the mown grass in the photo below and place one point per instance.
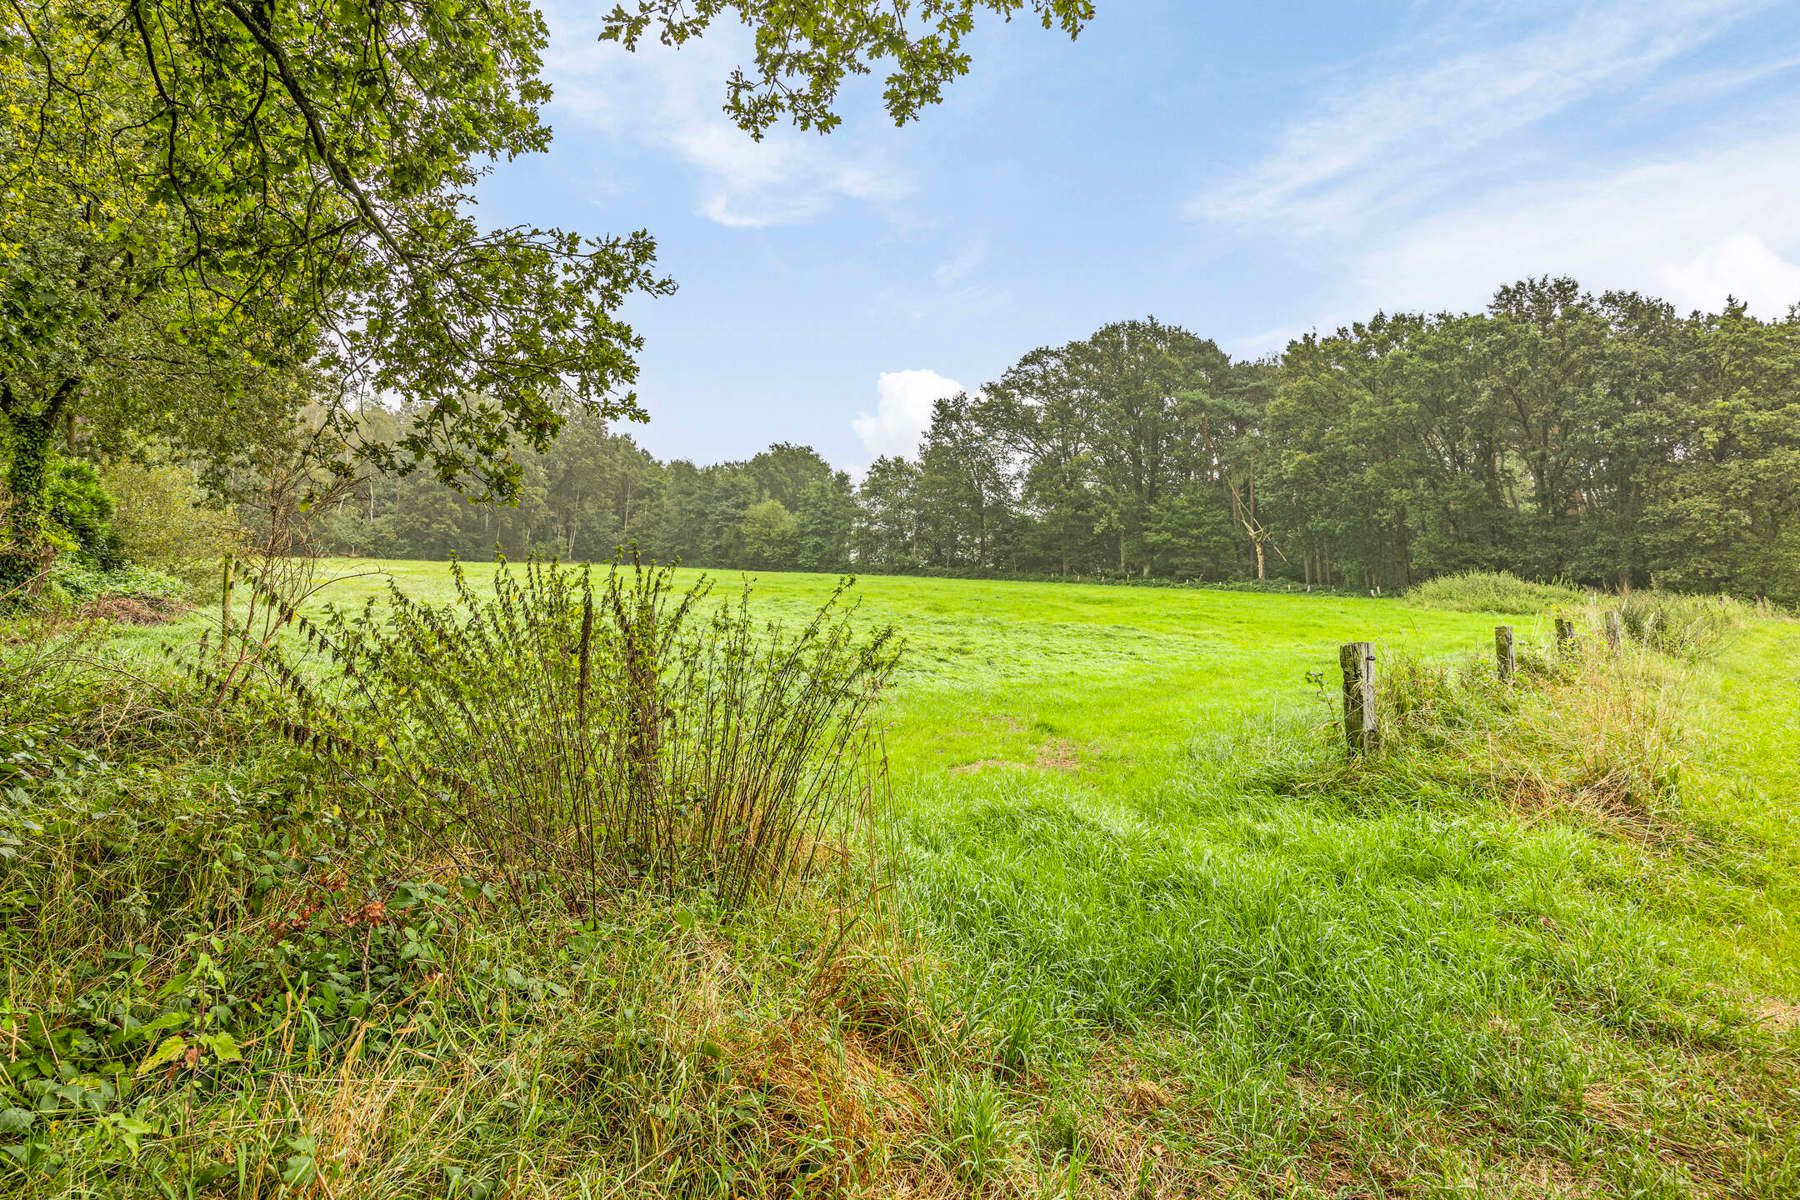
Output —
(1142, 930)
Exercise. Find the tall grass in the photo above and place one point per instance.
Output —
(1675, 622)
(1584, 732)
(1492, 591)
(580, 739)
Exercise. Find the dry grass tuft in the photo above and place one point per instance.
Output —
(1783, 1016)
(1603, 744)
(1058, 755)
(133, 610)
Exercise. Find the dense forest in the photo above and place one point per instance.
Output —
(1605, 439)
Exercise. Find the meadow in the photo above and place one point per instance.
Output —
(1134, 926)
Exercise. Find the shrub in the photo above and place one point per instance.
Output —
(75, 583)
(81, 513)
(164, 520)
(597, 739)
(1492, 591)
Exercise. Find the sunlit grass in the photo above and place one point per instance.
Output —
(1144, 932)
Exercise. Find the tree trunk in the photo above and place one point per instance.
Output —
(25, 550)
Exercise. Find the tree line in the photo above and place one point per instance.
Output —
(1604, 439)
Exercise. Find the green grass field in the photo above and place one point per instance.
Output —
(1142, 932)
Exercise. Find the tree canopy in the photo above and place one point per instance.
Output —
(213, 191)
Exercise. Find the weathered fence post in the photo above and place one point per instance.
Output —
(1505, 662)
(1358, 661)
(1615, 631)
(1565, 635)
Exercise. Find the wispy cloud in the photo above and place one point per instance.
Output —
(1381, 136)
(1418, 184)
(1701, 86)
(670, 100)
(1690, 228)
(961, 264)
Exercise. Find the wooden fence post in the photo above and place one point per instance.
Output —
(1565, 635)
(1505, 662)
(1615, 631)
(1358, 661)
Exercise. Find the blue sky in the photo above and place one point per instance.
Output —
(1248, 171)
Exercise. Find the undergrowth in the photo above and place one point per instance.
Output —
(228, 971)
(1676, 622)
(1585, 734)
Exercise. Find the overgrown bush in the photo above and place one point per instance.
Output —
(217, 977)
(81, 514)
(74, 581)
(163, 520)
(77, 521)
(1492, 591)
(583, 740)
(136, 537)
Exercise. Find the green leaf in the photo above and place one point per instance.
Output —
(222, 1046)
(166, 1052)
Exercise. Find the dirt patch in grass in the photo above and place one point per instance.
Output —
(1059, 755)
(1779, 1015)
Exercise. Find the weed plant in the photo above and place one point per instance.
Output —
(1687, 626)
(1582, 732)
(1675, 622)
(576, 741)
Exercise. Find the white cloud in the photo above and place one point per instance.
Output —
(1743, 266)
(903, 410)
(1688, 229)
(1424, 182)
(669, 99)
(1388, 133)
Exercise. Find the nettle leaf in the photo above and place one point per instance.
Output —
(222, 1046)
(169, 1050)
